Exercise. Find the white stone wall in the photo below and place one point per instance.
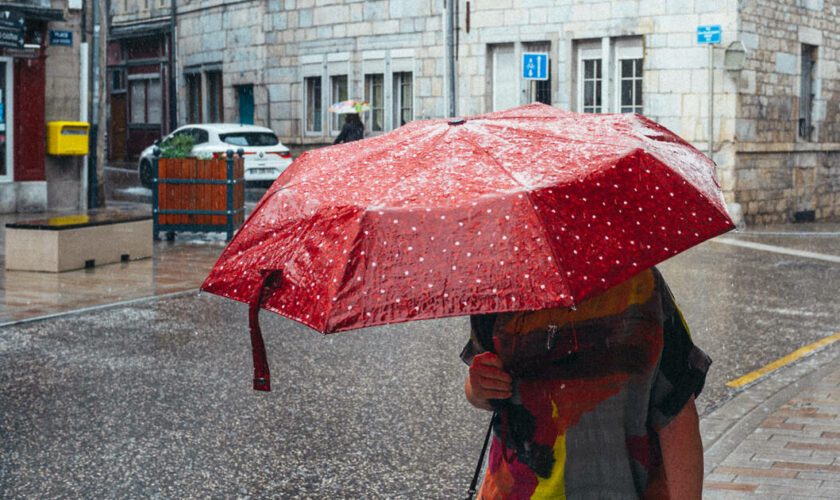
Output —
(274, 44)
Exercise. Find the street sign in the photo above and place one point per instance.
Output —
(58, 37)
(708, 34)
(11, 19)
(535, 66)
(12, 38)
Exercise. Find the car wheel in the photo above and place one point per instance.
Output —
(145, 172)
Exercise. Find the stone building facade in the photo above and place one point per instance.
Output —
(40, 81)
(775, 125)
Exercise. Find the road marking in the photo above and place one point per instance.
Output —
(810, 234)
(775, 365)
(775, 249)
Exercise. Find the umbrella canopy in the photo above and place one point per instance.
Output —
(523, 209)
(349, 106)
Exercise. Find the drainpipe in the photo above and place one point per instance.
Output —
(450, 48)
(93, 200)
(173, 80)
(84, 56)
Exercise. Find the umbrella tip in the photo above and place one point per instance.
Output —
(457, 121)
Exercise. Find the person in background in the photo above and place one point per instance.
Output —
(595, 401)
(352, 130)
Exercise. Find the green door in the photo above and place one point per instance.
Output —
(246, 104)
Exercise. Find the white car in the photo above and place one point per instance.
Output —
(265, 156)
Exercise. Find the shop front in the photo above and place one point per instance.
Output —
(139, 62)
(23, 83)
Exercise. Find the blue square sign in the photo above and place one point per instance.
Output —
(535, 66)
(60, 37)
(708, 34)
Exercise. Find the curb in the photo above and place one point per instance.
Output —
(727, 426)
(99, 307)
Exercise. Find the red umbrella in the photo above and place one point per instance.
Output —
(523, 209)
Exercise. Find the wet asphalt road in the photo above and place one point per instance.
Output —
(153, 399)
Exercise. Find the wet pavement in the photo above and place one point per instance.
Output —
(154, 399)
(151, 397)
(175, 267)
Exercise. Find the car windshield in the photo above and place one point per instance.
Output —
(250, 139)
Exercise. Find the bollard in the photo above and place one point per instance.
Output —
(155, 211)
(229, 212)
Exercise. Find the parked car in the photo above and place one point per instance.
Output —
(265, 156)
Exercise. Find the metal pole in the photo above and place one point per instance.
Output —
(155, 208)
(711, 100)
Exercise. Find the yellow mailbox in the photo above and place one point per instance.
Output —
(67, 138)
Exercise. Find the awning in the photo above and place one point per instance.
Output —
(140, 30)
(34, 12)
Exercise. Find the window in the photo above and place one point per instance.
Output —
(250, 139)
(374, 95)
(592, 86)
(179, 133)
(193, 97)
(138, 101)
(117, 80)
(806, 90)
(630, 85)
(145, 99)
(624, 69)
(590, 78)
(214, 97)
(403, 98)
(312, 89)
(628, 77)
(154, 102)
(200, 135)
(338, 92)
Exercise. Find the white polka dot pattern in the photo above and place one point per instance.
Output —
(528, 208)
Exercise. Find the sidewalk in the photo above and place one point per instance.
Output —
(176, 266)
(779, 438)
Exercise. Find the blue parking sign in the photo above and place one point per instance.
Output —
(535, 66)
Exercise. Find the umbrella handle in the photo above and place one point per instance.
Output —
(262, 375)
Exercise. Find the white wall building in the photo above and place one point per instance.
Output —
(776, 134)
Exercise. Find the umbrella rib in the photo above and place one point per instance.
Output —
(493, 158)
(419, 160)
(544, 134)
(532, 206)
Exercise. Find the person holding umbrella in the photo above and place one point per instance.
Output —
(542, 225)
(593, 401)
(352, 130)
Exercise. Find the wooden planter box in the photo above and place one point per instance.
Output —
(198, 195)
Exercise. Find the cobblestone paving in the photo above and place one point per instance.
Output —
(793, 453)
